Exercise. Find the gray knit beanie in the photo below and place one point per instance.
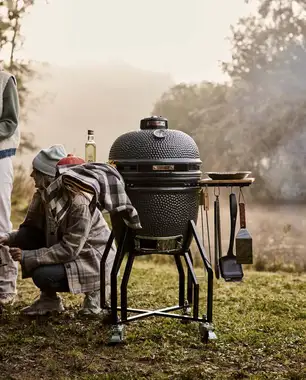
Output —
(46, 159)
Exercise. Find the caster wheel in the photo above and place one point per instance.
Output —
(117, 334)
(207, 332)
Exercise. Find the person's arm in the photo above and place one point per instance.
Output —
(10, 112)
(77, 231)
(35, 217)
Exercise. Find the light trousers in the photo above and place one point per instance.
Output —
(8, 273)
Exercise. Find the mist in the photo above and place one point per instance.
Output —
(110, 99)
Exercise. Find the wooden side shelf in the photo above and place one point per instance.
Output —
(226, 182)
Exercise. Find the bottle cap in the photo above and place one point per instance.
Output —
(90, 132)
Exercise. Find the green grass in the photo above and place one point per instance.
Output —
(260, 324)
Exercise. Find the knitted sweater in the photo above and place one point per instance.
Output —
(9, 113)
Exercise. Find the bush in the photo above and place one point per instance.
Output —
(23, 189)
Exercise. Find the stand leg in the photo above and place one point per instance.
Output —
(114, 273)
(102, 270)
(190, 289)
(195, 284)
(181, 280)
(124, 285)
(117, 329)
(206, 329)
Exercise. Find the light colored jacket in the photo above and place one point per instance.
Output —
(78, 243)
(9, 114)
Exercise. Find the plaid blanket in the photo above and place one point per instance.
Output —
(101, 180)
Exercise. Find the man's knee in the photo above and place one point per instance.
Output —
(39, 278)
(51, 277)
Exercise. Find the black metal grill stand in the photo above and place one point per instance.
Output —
(185, 300)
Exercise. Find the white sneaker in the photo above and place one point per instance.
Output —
(44, 305)
(7, 299)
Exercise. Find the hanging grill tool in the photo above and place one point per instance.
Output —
(230, 269)
(244, 243)
(217, 225)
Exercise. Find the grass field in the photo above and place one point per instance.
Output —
(260, 324)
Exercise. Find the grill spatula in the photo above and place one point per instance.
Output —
(244, 245)
(229, 268)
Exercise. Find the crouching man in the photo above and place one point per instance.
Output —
(75, 242)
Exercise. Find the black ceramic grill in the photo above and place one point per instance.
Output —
(161, 170)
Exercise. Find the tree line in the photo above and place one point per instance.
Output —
(256, 120)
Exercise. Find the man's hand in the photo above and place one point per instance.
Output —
(16, 254)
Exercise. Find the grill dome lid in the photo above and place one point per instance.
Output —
(154, 142)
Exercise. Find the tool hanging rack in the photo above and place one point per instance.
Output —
(208, 182)
(204, 207)
(231, 180)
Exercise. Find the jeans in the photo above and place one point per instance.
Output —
(51, 278)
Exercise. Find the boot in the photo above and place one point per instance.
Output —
(91, 304)
(45, 304)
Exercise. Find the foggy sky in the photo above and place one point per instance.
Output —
(180, 37)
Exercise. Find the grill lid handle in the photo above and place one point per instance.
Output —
(154, 122)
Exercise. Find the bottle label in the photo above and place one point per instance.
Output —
(90, 153)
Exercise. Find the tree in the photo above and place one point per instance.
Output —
(272, 39)
(12, 13)
(202, 111)
(267, 68)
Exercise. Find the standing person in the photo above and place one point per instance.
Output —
(9, 142)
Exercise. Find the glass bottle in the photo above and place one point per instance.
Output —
(90, 147)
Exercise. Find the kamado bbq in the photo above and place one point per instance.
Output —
(161, 168)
